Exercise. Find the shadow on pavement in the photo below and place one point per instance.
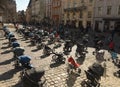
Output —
(2, 39)
(27, 42)
(66, 53)
(56, 64)
(8, 75)
(23, 40)
(7, 51)
(30, 45)
(20, 38)
(19, 84)
(71, 79)
(34, 50)
(5, 43)
(7, 61)
(80, 60)
(5, 47)
(44, 56)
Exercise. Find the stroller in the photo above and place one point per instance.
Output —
(73, 66)
(117, 73)
(80, 51)
(24, 60)
(18, 51)
(93, 75)
(68, 46)
(33, 77)
(100, 55)
(47, 50)
(58, 58)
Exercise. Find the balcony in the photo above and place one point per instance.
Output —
(79, 8)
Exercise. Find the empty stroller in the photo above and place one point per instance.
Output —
(73, 66)
(18, 51)
(93, 75)
(33, 77)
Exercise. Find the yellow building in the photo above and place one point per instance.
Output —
(78, 12)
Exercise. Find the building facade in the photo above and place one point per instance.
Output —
(37, 10)
(8, 11)
(78, 12)
(21, 17)
(106, 15)
(28, 15)
(1, 13)
(48, 7)
(56, 11)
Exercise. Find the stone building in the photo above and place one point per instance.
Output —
(28, 15)
(7, 10)
(56, 11)
(48, 7)
(78, 12)
(37, 10)
(106, 15)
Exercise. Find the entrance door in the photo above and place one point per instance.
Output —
(106, 26)
(96, 26)
(117, 26)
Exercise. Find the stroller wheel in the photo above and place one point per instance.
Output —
(54, 58)
(116, 74)
(93, 53)
(83, 84)
(79, 70)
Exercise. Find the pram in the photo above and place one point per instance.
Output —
(18, 51)
(33, 77)
(73, 66)
(24, 60)
(93, 75)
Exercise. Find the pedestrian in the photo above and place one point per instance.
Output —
(111, 45)
(112, 32)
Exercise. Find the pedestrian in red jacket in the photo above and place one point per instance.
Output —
(111, 45)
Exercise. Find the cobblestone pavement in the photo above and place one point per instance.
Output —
(56, 76)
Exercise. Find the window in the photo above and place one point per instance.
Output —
(74, 15)
(89, 14)
(109, 8)
(68, 4)
(68, 15)
(81, 14)
(99, 10)
(90, 1)
(82, 1)
(119, 10)
(74, 4)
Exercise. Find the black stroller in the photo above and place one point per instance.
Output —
(117, 73)
(33, 77)
(93, 75)
(47, 50)
(68, 46)
(80, 51)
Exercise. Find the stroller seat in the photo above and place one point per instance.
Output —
(91, 80)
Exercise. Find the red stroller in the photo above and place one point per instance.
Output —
(73, 66)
